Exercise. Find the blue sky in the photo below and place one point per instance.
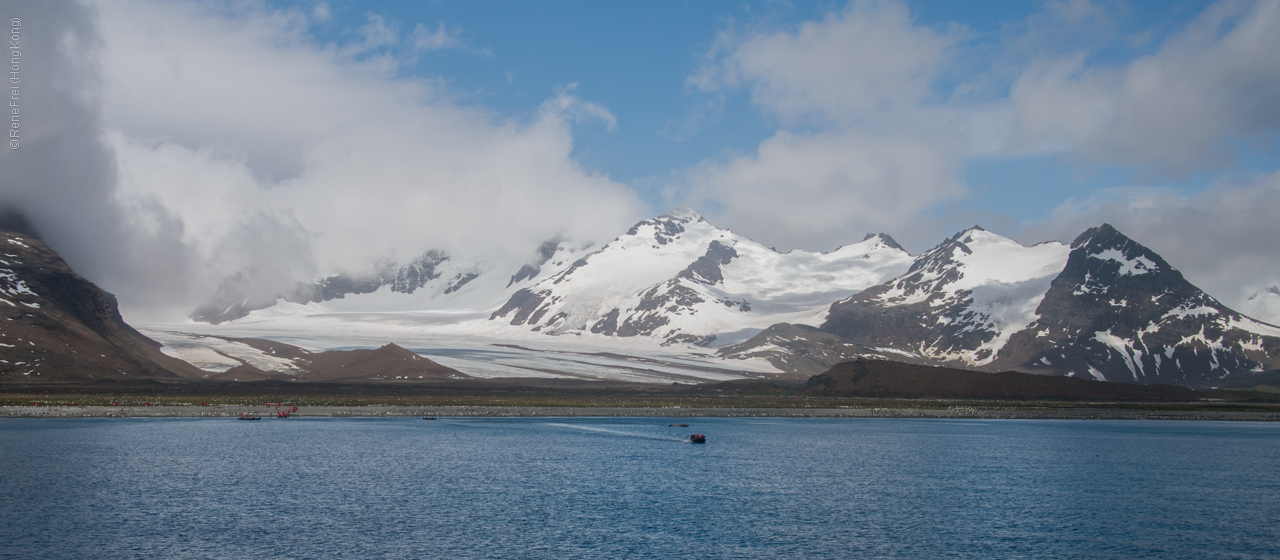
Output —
(296, 138)
(635, 59)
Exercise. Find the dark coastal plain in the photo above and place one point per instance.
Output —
(855, 390)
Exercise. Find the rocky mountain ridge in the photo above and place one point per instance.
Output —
(1104, 308)
(682, 280)
(56, 326)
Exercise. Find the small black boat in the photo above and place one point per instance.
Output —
(428, 417)
(697, 438)
(679, 425)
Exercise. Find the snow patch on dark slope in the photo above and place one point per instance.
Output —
(545, 252)
(1119, 312)
(682, 280)
(1104, 308)
(425, 282)
(959, 303)
(57, 326)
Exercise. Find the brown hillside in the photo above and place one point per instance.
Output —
(246, 372)
(885, 379)
(388, 362)
(56, 326)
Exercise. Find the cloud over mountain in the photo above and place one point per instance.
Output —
(236, 141)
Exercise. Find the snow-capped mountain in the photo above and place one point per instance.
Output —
(680, 279)
(1105, 307)
(960, 302)
(435, 280)
(1263, 305)
(1119, 312)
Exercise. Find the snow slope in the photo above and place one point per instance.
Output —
(679, 279)
(960, 302)
(1106, 307)
(1264, 305)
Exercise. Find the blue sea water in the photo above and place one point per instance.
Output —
(633, 488)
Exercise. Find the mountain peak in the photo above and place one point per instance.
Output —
(1114, 254)
(1102, 232)
(682, 214)
(886, 240)
(960, 234)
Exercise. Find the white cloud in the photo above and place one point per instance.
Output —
(321, 12)
(425, 39)
(1209, 92)
(377, 33)
(826, 190)
(565, 104)
(854, 65)
(182, 141)
(1223, 239)
(250, 147)
(875, 163)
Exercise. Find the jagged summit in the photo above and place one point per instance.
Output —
(1105, 307)
(965, 297)
(683, 213)
(1119, 312)
(885, 239)
(965, 232)
(680, 278)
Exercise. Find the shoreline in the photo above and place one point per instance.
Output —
(464, 411)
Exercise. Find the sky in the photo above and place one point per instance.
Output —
(165, 145)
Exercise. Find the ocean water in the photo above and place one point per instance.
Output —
(633, 488)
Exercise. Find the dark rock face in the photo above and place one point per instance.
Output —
(530, 270)
(417, 273)
(667, 227)
(942, 317)
(657, 304)
(1115, 311)
(334, 287)
(57, 326)
(1119, 311)
(572, 268)
(884, 238)
(524, 303)
(235, 297)
(672, 298)
(706, 270)
(608, 324)
(459, 281)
